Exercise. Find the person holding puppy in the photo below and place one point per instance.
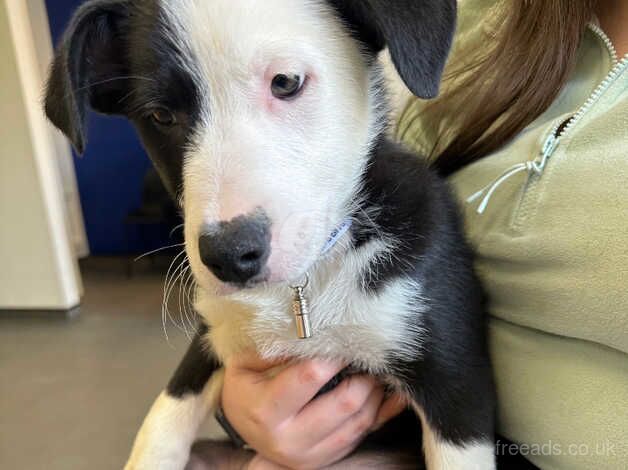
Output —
(531, 132)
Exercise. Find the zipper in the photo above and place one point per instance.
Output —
(564, 128)
(558, 132)
(606, 40)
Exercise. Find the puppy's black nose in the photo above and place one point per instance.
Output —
(238, 250)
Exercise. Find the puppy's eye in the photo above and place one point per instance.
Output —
(163, 117)
(286, 86)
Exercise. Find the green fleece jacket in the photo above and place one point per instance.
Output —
(552, 250)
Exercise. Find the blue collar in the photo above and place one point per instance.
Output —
(336, 235)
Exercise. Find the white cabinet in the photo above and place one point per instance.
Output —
(41, 226)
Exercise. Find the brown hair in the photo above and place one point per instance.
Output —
(505, 88)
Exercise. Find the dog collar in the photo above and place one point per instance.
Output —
(336, 235)
(300, 304)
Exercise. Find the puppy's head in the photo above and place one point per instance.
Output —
(259, 114)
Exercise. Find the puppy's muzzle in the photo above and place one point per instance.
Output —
(237, 251)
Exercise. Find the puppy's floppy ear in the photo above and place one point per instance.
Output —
(418, 33)
(90, 56)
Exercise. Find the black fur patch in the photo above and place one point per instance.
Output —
(195, 369)
(418, 35)
(415, 209)
(170, 86)
(89, 68)
(96, 66)
(411, 206)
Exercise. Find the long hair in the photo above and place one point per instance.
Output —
(498, 91)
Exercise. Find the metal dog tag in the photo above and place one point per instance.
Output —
(300, 305)
(301, 311)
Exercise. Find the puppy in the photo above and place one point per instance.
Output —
(266, 119)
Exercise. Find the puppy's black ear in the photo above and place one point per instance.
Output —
(418, 33)
(88, 68)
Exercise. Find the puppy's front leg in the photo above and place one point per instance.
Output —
(165, 438)
(455, 402)
(442, 453)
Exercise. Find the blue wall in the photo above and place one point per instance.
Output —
(111, 171)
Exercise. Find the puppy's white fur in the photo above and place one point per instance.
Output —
(168, 431)
(348, 325)
(299, 161)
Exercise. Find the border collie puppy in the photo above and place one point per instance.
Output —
(266, 119)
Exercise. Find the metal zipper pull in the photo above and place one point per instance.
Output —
(536, 166)
(548, 150)
(301, 309)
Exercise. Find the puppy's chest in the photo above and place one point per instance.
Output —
(366, 329)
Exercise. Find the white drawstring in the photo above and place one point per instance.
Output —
(492, 187)
(530, 166)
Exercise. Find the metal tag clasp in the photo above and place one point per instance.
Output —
(301, 309)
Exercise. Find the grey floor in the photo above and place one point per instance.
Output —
(73, 392)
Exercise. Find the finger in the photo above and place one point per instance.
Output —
(351, 433)
(326, 457)
(250, 361)
(294, 387)
(330, 411)
(391, 407)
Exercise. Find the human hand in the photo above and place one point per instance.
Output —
(278, 417)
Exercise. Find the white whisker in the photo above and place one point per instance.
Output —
(109, 80)
(176, 276)
(183, 277)
(157, 251)
(164, 303)
(190, 293)
(176, 228)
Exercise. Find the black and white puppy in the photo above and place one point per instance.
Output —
(266, 119)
